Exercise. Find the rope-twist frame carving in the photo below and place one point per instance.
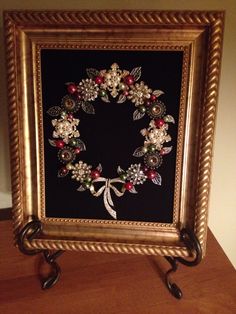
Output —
(13, 126)
(108, 247)
(114, 18)
(207, 131)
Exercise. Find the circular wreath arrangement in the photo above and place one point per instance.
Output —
(123, 85)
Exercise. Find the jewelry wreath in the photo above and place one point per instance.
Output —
(122, 85)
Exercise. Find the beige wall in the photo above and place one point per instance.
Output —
(222, 213)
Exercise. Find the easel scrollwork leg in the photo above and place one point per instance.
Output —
(190, 240)
(56, 270)
(31, 230)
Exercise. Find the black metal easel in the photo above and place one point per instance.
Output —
(34, 228)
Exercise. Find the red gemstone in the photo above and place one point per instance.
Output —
(60, 144)
(159, 123)
(151, 174)
(145, 169)
(71, 88)
(98, 79)
(126, 93)
(78, 96)
(148, 103)
(64, 170)
(129, 79)
(95, 174)
(77, 150)
(70, 116)
(153, 97)
(128, 186)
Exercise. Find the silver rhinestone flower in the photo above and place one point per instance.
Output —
(70, 104)
(156, 110)
(66, 154)
(153, 160)
(88, 89)
(138, 93)
(156, 136)
(65, 128)
(80, 171)
(135, 174)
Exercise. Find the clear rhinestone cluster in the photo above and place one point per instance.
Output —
(88, 89)
(135, 174)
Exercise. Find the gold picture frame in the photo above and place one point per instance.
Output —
(198, 35)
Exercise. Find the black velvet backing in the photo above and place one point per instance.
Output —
(111, 136)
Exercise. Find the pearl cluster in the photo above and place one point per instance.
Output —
(65, 128)
(80, 171)
(156, 136)
(138, 93)
(112, 79)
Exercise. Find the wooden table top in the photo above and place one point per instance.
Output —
(114, 283)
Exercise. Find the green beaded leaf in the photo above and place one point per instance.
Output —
(169, 119)
(88, 107)
(136, 73)
(81, 188)
(121, 99)
(139, 152)
(54, 111)
(92, 73)
(80, 144)
(105, 98)
(138, 115)
(157, 179)
(157, 92)
(52, 142)
(133, 190)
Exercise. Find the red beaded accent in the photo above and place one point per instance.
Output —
(71, 88)
(153, 97)
(98, 80)
(64, 170)
(151, 174)
(128, 186)
(159, 123)
(95, 174)
(129, 79)
(60, 144)
(70, 116)
(77, 150)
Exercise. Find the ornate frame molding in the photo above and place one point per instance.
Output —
(209, 23)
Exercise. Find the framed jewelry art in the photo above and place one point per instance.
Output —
(112, 119)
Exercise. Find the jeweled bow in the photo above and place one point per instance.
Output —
(106, 190)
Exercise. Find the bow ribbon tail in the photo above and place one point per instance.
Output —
(106, 190)
(110, 201)
(106, 200)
